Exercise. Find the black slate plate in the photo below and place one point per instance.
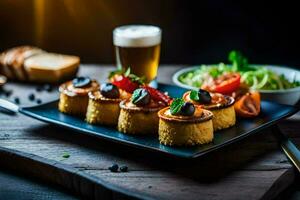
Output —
(271, 113)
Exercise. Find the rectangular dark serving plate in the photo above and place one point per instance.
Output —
(271, 113)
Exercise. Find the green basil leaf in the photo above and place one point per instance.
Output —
(66, 155)
(176, 106)
(135, 78)
(194, 95)
(127, 73)
(112, 73)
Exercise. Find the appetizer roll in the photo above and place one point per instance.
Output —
(139, 114)
(222, 106)
(74, 95)
(185, 124)
(103, 107)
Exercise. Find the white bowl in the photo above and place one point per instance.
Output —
(3, 80)
(288, 96)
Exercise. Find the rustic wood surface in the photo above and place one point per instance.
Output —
(17, 187)
(253, 168)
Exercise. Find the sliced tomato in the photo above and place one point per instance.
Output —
(227, 83)
(157, 95)
(124, 83)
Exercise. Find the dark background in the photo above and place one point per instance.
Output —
(193, 31)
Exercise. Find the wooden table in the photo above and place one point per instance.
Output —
(253, 168)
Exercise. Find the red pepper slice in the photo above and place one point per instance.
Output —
(157, 95)
(124, 83)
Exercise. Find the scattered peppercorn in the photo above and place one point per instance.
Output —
(17, 100)
(124, 168)
(48, 88)
(39, 88)
(38, 101)
(31, 97)
(114, 168)
(8, 93)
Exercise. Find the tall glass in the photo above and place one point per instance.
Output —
(138, 47)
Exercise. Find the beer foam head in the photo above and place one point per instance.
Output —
(136, 36)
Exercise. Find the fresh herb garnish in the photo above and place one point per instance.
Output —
(115, 72)
(239, 61)
(66, 155)
(194, 95)
(176, 106)
(127, 73)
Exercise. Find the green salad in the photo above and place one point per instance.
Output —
(257, 77)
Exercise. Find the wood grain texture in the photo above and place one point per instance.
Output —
(16, 187)
(253, 168)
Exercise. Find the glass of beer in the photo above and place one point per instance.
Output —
(138, 47)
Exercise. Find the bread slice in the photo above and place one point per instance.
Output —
(4, 60)
(51, 67)
(17, 63)
(1, 64)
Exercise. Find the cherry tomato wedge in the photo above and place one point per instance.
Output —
(224, 84)
(227, 83)
(248, 105)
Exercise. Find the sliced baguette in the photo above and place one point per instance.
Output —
(17, 64)
(51, 67)
(5, 58)
(1, 63)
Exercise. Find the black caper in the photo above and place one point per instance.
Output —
(109, 90)
(81, 81)
(141, 97)
(114, 168)
(187, 109)
(204, 96)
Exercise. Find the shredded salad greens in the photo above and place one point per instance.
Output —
(257, 78)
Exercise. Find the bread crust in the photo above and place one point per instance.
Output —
(138, 121)
(191, 134)
(223, 118)
(174, 132)
(102, 110)
(72, 103)
(13, 65)
(4, 60)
